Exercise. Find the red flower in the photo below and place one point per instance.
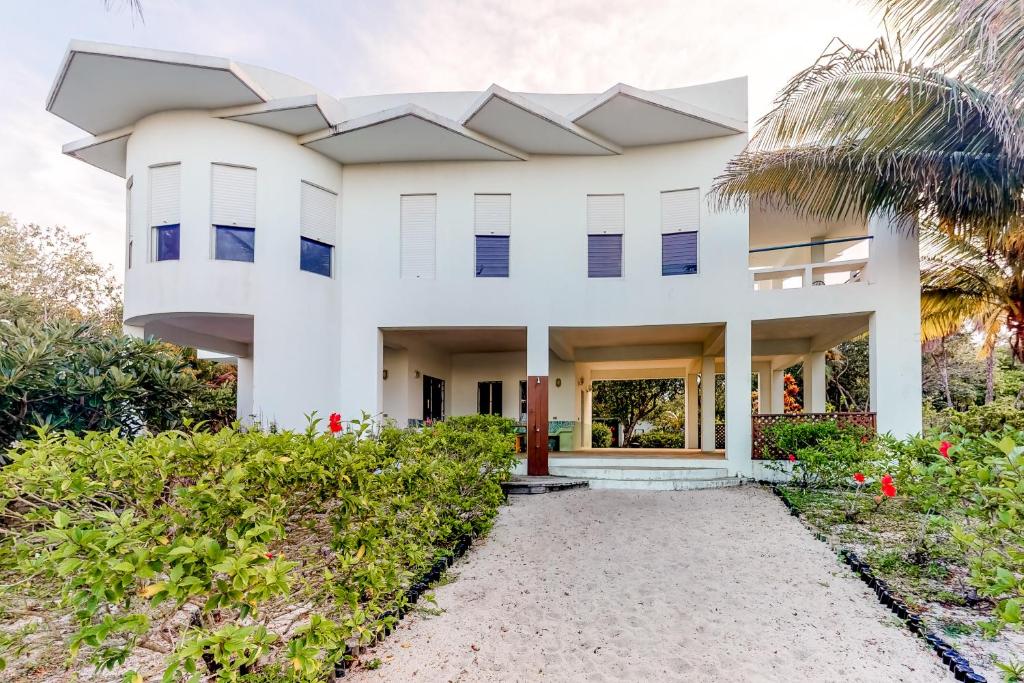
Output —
(888, 490)
(335, 423)
(859, 478)
(269, 556)
(792, 458)
(944, 449)
(886, 480)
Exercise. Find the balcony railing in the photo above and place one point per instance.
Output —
(843, 269)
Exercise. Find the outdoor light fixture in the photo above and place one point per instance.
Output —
(385, 373)
(558, 381)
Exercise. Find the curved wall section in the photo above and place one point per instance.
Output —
(290, 314)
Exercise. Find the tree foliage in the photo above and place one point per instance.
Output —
(632, 401)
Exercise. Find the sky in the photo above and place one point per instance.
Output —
(349, 47)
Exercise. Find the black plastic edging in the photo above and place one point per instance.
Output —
(412, 595)
(957, 663)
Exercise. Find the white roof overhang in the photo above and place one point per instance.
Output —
(632, 117)
(108, 151)
(406, 133)
(528, 126)
(293, 115)
(104, 87)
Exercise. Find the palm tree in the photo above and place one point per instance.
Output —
(966, 280)
(939, 137)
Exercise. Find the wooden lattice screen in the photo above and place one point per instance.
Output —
(761, 423)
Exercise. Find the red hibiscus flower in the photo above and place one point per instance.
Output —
(335, 423)
(792, 458)
(944, 449)
(886, 480)
(269, 556)
(888, 490)
(859, 478)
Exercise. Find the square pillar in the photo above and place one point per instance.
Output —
(362, 383)
(537, 361)
(243, 402)
(738, 430)
(692, 423)
(778, 392)
(588, 415)
(764, 387)
(707, 403)
(814, 382)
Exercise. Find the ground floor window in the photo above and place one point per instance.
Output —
(489, 398)
(522, 400)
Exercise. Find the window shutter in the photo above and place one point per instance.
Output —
(604, 255)
(492, 214)
(679, 253)
(418, 228)
(680, 211)
(165, 195)
(129, 238)
(606, 214)
(318, 214)
(233, 192)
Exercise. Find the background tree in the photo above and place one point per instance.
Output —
(633, 401)
(49, 273)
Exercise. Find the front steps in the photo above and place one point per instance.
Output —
(646, 478)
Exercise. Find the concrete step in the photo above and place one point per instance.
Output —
(665, 484)
(632, 472)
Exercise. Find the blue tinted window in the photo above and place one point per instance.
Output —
(168, 242)
(315, 257)
(604, 255)
(679, 253)
(235, 244)
(492, 255)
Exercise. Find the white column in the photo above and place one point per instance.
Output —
(895, 329)
(707, 400)
(814, 382)
(362, 383)
(692, 427)
(778, 391)
(244, 391)
(588, 416)
(764, 387)
(737, 397)
(537, 350)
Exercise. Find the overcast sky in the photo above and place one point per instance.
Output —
(359, 48)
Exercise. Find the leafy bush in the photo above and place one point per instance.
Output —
(977, 419)
(601, 435)
(80, 378)
(659, 438)
(823, 453)
(235, 551)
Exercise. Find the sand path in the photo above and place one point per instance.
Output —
(719, 585)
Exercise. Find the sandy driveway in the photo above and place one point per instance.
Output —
(719, 585)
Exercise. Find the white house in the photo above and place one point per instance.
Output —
(421, 255)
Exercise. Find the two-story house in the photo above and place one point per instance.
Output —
(421, 255)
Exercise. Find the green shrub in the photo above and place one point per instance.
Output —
(977, 419)
(826, 454)
(81, 378)
(235, 550)
(601, 435)
(659, 438)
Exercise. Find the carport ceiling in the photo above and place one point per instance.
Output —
(459, 339)
(817, 327)
(639, 335)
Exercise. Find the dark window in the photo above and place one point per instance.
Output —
(604, 255)
(433, 398)
(679, 253)
(315, 257)
(168, 242)
(489, 397)
(522, 400)
(492, 255)
(235, 244)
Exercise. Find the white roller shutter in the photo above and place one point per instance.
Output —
(233, 196)
(606, 214)
(318, 214)
(165, 195)
(492, 214)
(419, 226)
(680, 211)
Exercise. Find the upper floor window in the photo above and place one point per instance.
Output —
(233, 212)
(606, 222)
(492, 225)
(418, 234)
(680, 227)
(164, 212)
(317, 228)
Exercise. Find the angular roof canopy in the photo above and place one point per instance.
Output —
(106, 89)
